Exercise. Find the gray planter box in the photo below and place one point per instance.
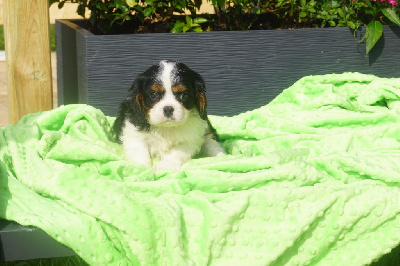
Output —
(243, 70)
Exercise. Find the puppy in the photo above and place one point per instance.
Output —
(165, 118)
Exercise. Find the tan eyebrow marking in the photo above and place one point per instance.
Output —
(179, 88)
(157, 88)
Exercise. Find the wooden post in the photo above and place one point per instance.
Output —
(27, 43)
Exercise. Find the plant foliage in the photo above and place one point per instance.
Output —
(109, 16)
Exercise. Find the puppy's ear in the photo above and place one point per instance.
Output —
(200, 94)
(137, 114)
(120, 120)
(132, 109)
(140, 102)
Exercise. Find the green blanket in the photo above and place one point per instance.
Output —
(311, 178)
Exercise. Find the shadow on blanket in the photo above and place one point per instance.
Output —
(311, 178)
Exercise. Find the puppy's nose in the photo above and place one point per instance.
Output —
(168, 111)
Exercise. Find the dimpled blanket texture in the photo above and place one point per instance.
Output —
(311, 178)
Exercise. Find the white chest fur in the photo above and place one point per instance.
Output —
(189, 137)
(173, 145)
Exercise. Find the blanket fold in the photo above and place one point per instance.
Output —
(311, 178)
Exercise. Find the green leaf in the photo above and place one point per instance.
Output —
(176, 30)
(185, 28)
(303, 14)
(61, 5)
(341, 13)
(179, 24)
(391, 15)
(81, 11)
(119, 4)
(189, 21)
(139, 8)
(178, 8)
(219, 3)
(198, 3)
(352, 25)
(197, 29)
(303, 2)
(52, 2)
(148, 11)
(131, 3)
(222, 3)
(374, 32)
(200, 20)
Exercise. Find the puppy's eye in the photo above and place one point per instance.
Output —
(183, 96)
(153, 95)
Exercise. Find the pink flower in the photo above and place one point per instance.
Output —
(392, 2)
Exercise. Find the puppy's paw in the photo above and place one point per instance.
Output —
(143, 160)
(214, 151)
(145, 163)
(221, 153)
(211, 148)
(168, 164)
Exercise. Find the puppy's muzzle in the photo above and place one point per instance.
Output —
(168, 111)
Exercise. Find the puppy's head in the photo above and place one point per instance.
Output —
(167, 93)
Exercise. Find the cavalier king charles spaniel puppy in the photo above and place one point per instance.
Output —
(165, 118)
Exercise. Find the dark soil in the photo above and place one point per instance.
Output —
(267, 21)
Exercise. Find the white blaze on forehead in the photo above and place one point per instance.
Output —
(167, 76)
